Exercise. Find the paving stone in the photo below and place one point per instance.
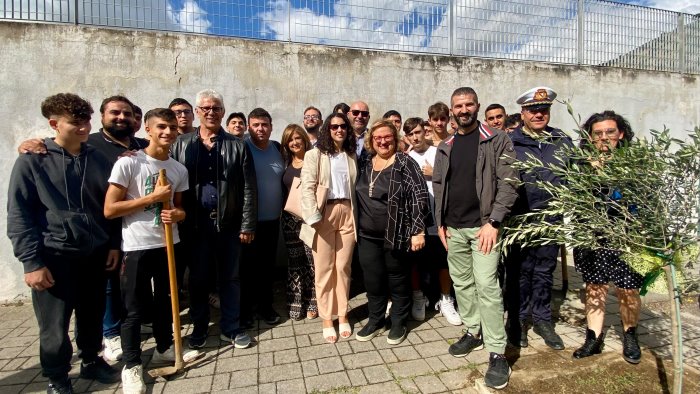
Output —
(221, 382)
(413, 338)
(286, 356)
(436, 364)
(388, 356)
(33, 388)
(303, 341)
(454, 380)
(22, 376)
(377, 374)
(429, 335)
(274, 345)
(357, 378)
(15, 363)
(266, 360)
(330, 364)
(405, 369)
(359, 360)
(406, 353)
(243, 378)
(309, 368)
(408, 386)
(382, 388)
(293, 386)
(318, 351)
(429, 384)
(194, 385)
(8, 353)
(358, 347)
(343, 348)
(268, 388)
(279, 372)
(431, 349)
(328, 382)
(307, 329)
(283, 332)
(237, 363)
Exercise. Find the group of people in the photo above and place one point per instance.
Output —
(413, 203)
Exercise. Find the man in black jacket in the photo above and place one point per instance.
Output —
(221, 206)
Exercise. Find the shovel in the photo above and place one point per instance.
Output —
(180, 364)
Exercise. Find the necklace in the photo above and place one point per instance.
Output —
(373, 179)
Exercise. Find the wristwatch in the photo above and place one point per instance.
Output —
(494, 223)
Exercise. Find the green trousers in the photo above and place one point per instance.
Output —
(475, 278)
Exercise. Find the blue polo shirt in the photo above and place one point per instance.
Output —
(269, 169)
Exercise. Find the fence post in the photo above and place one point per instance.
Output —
(452, 27)
(75, 5)
(580, 39)
(682, 66)
(289, 20)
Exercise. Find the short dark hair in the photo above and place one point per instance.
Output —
(513, 120)
(259, 113)
(180, 101)
(391, 112)
(315, 109)
(438, 109)
(495, 106)
(112, 99)
(325, 142)
(412, 123)
(66, 104)
(166, 114)
(342, 107)
(137, 110)
(236, 115)
(465, 91)
(622, 125)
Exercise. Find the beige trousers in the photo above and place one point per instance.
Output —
(332, 249)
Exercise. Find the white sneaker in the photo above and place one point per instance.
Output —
(168, 356)
(418, 308)
(112, 348)
(446, 306)
(132, 380)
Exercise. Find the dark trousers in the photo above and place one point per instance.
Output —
(79, 284)
(529, 280)
(141, 300)
(386, 272)
(218, 251)
(258, 268)
(114, 308)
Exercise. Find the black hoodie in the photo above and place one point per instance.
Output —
(55, 205)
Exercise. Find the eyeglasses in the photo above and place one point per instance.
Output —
(357, 112)
(181, 112)
(609, 133)
(215, 110)
(311, 117)
(338, 126)
(379, 138)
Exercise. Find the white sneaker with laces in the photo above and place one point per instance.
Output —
(168, 356)
(132, 380)
(446, 306)
(418, 308)
(112, 348)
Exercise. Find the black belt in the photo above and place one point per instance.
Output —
(336, 200)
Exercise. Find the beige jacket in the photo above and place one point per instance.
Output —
(312, 174)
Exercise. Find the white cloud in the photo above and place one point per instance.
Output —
(687, 6)
(149, 14)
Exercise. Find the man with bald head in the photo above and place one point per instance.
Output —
(359, 118)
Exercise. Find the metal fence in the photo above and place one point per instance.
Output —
(589, 32)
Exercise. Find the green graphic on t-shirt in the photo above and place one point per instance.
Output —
(151, 182)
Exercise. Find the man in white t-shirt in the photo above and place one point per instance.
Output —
(423, 152)
(135, 195)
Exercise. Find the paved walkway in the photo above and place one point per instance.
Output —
(292, 357)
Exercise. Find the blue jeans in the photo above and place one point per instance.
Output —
(114, 308)
(218, 251)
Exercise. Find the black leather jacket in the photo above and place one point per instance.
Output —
(238, 192)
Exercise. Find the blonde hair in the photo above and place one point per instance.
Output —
(380, 124)
(287, 136)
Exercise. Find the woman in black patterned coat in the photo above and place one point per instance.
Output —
(394, 211)
(301, 292)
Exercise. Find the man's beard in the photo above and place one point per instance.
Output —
(468, 123)
(119, 132)
(313, 129)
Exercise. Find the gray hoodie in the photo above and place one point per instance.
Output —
(55, 205)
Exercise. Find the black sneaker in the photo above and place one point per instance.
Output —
(517, 334)
(498, 373)
(545, 329)
(99, 370)
(592, 345)
(270, 316)
(60, 387)
(397, 334)
(369, 331)
(630, 347)
(465, 345)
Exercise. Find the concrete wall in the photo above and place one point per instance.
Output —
(37, 60)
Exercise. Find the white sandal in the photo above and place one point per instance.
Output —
(330, 335)
(345, 327)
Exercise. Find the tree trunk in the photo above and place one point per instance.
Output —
(676, 333)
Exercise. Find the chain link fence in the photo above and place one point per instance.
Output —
(587, 32)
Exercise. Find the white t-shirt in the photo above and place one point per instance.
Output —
(139, 175)
(340, 176)
(428, 156)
